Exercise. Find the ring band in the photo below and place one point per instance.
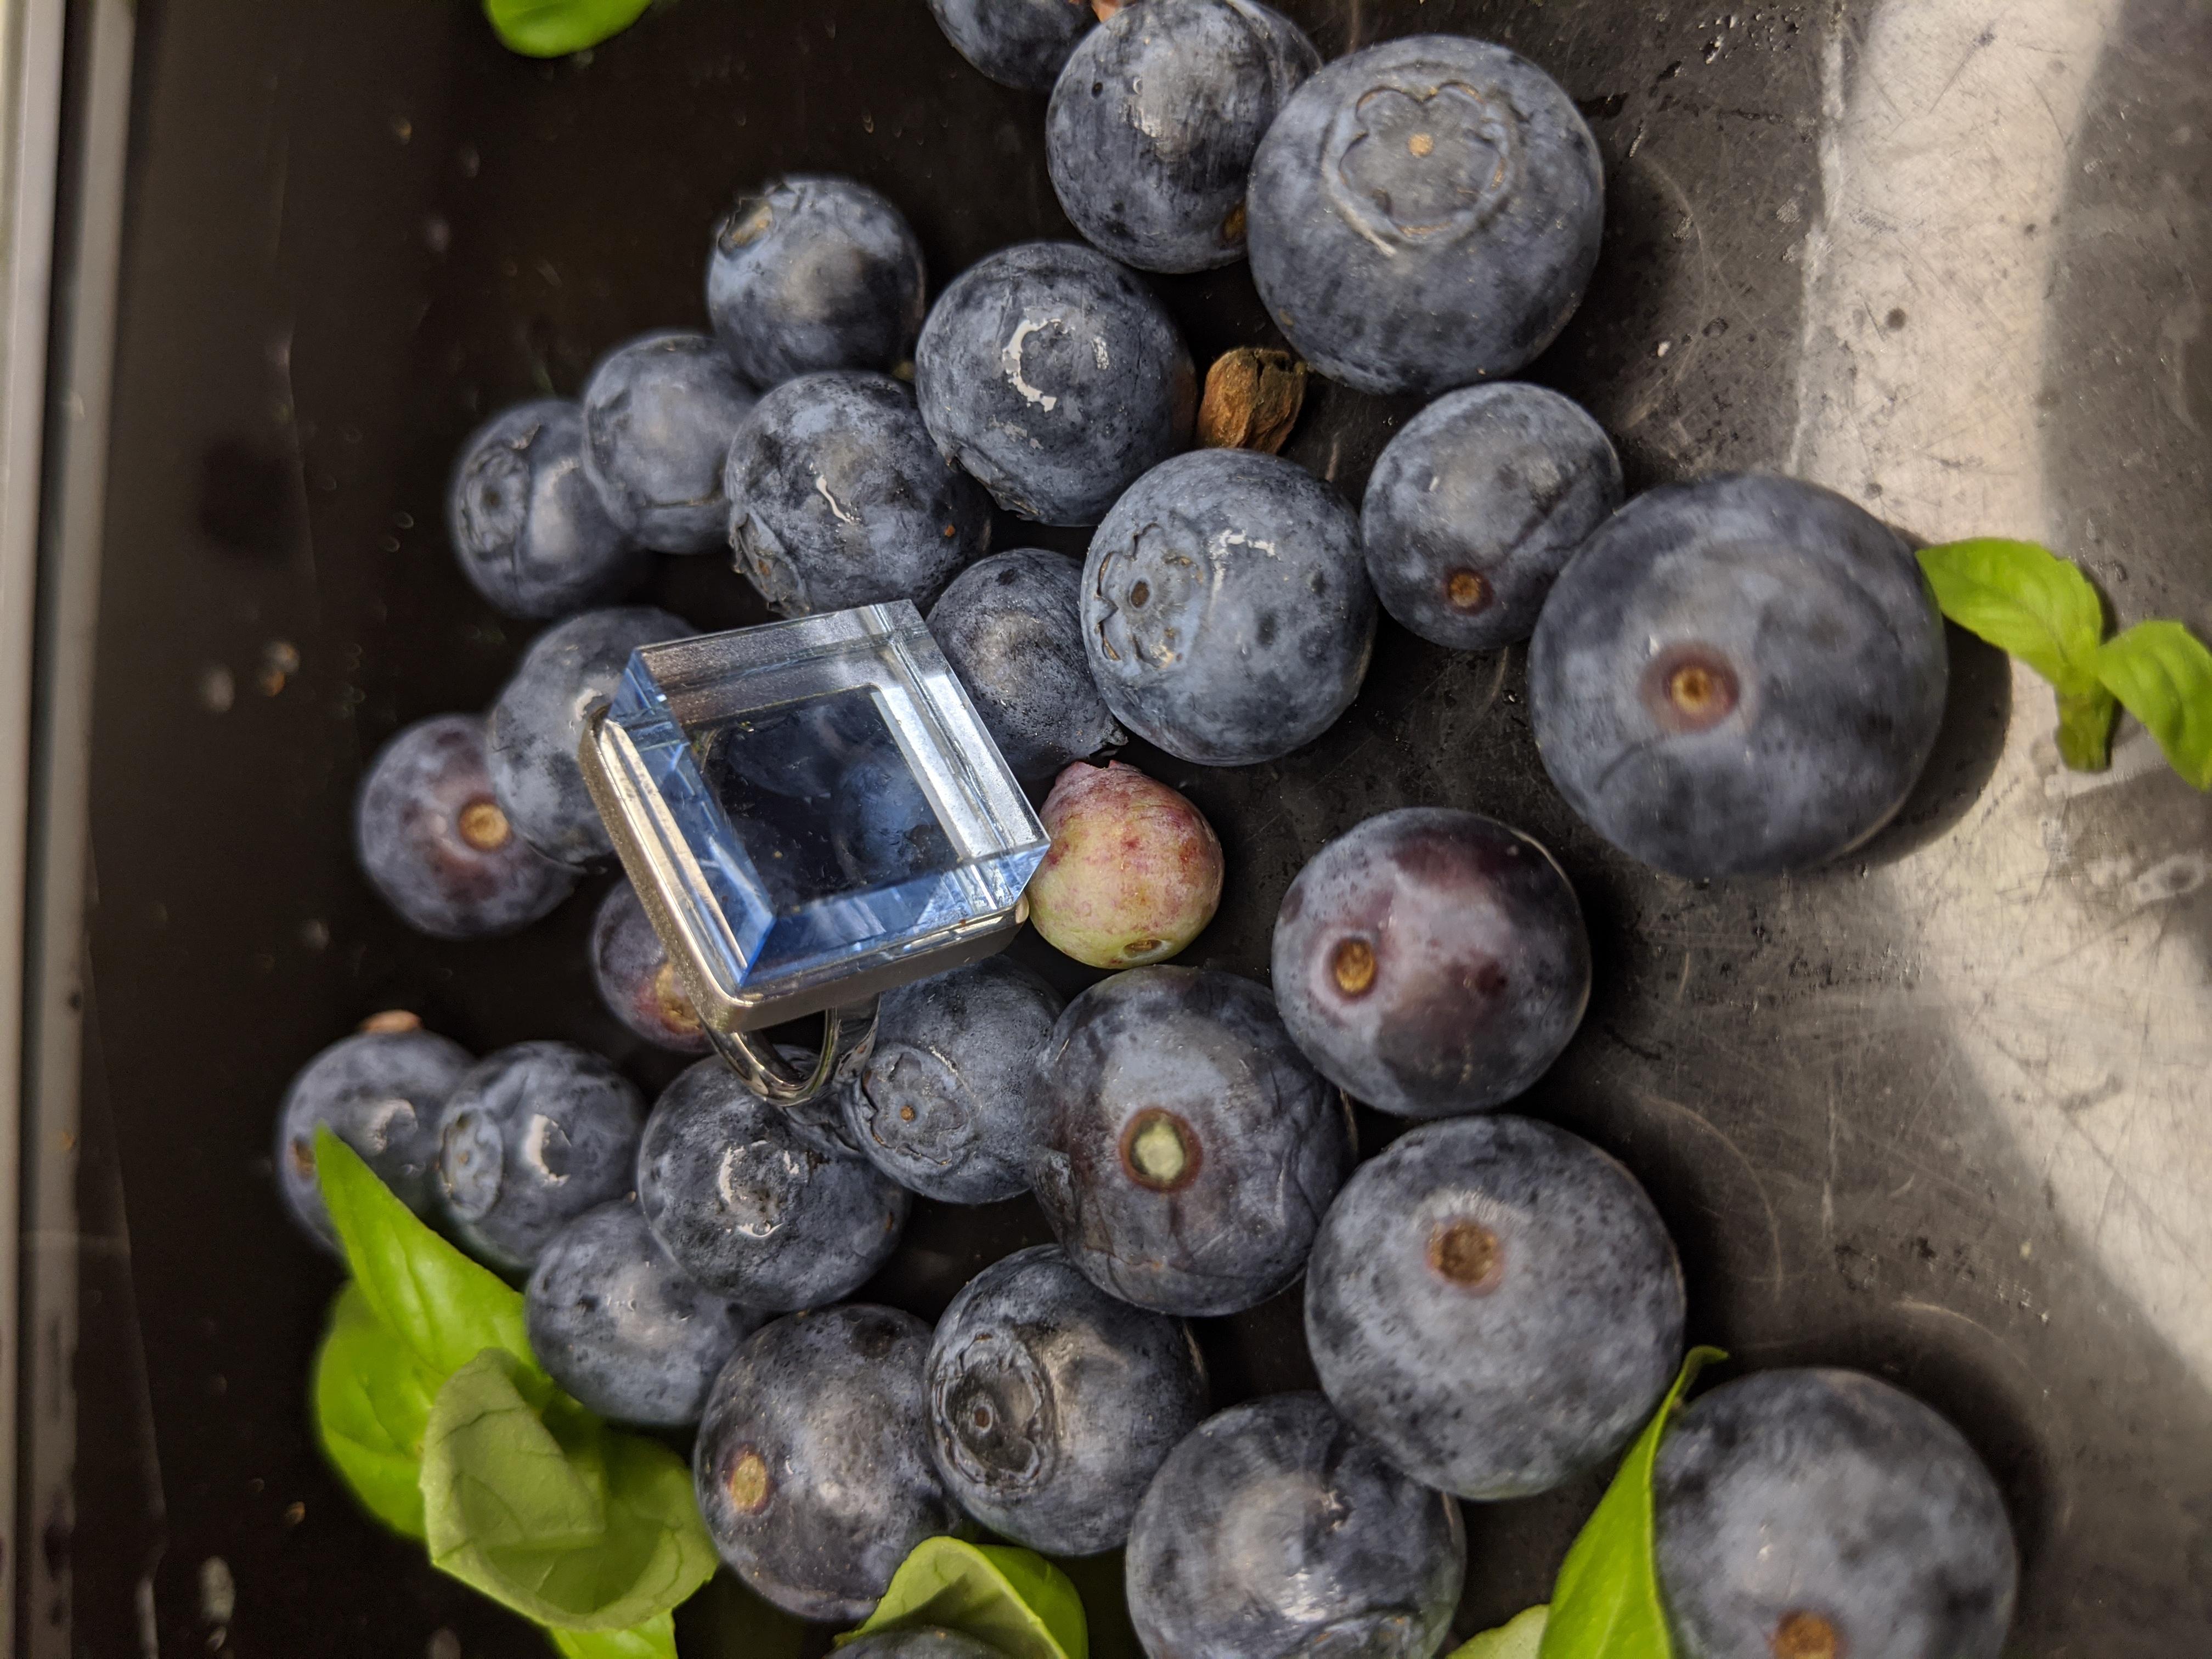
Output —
(848, 1034)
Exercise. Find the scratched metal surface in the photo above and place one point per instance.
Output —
(1938, 1112)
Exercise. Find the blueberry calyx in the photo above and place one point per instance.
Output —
(483, 826)
(1468, 1254)
(1690, 689)
(1160, 1152)
(1807, 1635)
(1466, 592)
(748, 1483)
(1351, 965)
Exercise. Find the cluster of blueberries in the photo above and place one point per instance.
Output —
(1739, 675)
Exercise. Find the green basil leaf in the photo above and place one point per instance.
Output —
(554, 28)
(1013, 1599)
(654, 1639)
(444, 1306)
(2026, 600)
(1518, 1637)
(370, 1399)
(1605, 1602)
(549, 1513)
(2163, 674)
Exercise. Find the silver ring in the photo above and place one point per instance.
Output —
(849, 1035)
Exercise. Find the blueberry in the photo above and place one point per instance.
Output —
(1424, 214)
(1017, 43)
(945, 1105)
(433, 841)
(532, 533)
(838, 498)
(1738, 677)
(379, 1093)
(1226, 610)
(1277, 1530)
(1053, 375)
(1431, 962)
(1188, 1150)
(920, 1642)
(658, 414)
(1824, 1515)
(635, 979)
(1154, 120)
(622, 1328)
(535, 1134)
(753, 1206)
(1497, 1303)
(537, 724)
(812, 1466)
(1011, 627)
(1475, 508)
(1051, 1403)
(813, 272)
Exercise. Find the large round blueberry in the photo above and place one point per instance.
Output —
(1738, 677)
(1432, 961)
(1017, 43)
(814, 272)
(919, 1642)
(621, 1326)
(1053, 375)
(434, 841)
(1278, 1531)
(1497, 1302)
(1226, 610)
(1011, 627)
(946, 1104)
(1826, 1514)
(532, 533)
(535, 1135)
(1424, 214)
(1051, 1403)
(838, 498)
(635, 979)
(537, 724)
(754, 1207)
(380, 1092)
(1153, 122)
(1190, 1150)
(658, 414)
(812, 1465)
(1475, 508)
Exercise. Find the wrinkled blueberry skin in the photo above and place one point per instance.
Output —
(658, 414)
(1475, 508)
(926, 1642)
(814, 272)
(945, 1105)
(1830, 1496)
(838, 498)
(1017, 43)
(1431, 962)
(1153, 122)
(1226, 610)
(428, 790)
(1517, 1364)
(535, 726)
(1011, 627)
(1052, 375)
(1051, 1403)
(635, 978)
(830, 1407)
(1815, 620)
(1278, 1531)
(753, 1206)
(1158, 1058)
(1425, 214)
(530, 532)
(535, 1134)
(622, 1328)
(380, 1092)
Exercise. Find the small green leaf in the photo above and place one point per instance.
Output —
(1518, 1637)
(372, 1398)
(551, 1514)
(554, 28)
(2163, 674)
(1606, 1601)
(444, 1306)
(1013, 1599)
(654, 1639)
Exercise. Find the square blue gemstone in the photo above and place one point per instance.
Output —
(829, 792)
